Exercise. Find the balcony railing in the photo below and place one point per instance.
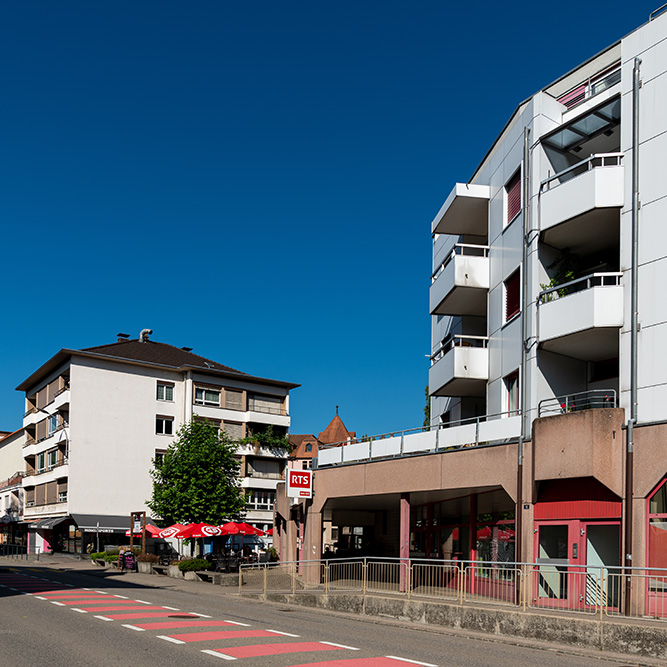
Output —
(459, 340)
(582, 400)
(593, 162)
(592, 86)
(269, 410)
(461, 249)
(579, 285)
(454, 435)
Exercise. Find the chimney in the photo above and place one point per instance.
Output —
(143, 336)
(122, 337)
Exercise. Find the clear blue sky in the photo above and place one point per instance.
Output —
(256, 180)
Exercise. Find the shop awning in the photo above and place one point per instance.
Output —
(47, 524)
(103, 523)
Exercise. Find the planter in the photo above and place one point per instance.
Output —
(144, 568)
(173, 571)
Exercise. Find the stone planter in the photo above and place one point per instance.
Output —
(173, 571)
(144, 568)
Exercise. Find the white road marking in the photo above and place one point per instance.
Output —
(194, 613)
(122, 597)
(286, 634)
(171, 608)
(60, 604)
(134, 627)
(39, 597)
(170, 639)
(245, 625)
(413, 662)
(104, 618)
(218, 655)
(102, 592)
(81, 611)
(13, 589)
(44, 579)
(340, 646)
(143, 602)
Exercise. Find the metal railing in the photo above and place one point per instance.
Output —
(594, 85)
(461, 249)
(18, 551)
(594, 161)
(582, 400)
(269, 410)
(591, 590)
(458, 340)
(611, 279)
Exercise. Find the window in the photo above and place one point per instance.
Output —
(512, 388)
(234, 430)
(512, 289)
(41, 462)
(159, 455)
(62, 496)
(165, 392)
(52, 458)
(261, 499)
(164, 425)
(306, 465)
(309, 447)
(513, 196)
(52, 424)
(272, 405)
(206, 396)
(233, 399)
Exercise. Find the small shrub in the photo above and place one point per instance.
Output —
(96, 555)
(194, 565)
(148, 558)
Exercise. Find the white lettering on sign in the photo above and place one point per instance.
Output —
(299, 484)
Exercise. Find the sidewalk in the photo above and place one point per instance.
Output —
(642, 640)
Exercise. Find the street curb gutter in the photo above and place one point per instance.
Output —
(627, 638)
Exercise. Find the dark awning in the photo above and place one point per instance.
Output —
(103, 523)
(47, 524)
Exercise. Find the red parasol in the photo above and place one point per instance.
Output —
(171, 531)
(199, 530)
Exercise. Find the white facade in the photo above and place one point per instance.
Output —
(579, 179)
(95, 420)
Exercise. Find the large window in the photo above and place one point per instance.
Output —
(52, 424)
(512, 289)
(165, 391)
(513, 196)
(207, 396)
(261, 499)
(41, 462)
(52, 458)
(272, 405)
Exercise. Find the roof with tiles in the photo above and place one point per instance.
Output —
(335, 432)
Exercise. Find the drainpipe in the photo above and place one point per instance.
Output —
(634, 327)
(518, 524)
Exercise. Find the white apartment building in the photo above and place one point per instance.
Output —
(96, 418)
(545, 306)
(11, 487)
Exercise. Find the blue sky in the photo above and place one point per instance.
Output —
(256, 180)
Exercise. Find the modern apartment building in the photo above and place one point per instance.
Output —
(548, 385)
(11, 487)
(96, 418)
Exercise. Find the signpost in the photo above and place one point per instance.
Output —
(138, 523)
(299, 483)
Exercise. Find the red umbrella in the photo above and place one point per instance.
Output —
(269, 531)
(233, 528)
(199, 530)
(171, 531)
(255, 531)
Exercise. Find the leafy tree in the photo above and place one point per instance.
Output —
(197, 479)
(427, 408)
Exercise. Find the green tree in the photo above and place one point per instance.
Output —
(197, 479)
(427, 408)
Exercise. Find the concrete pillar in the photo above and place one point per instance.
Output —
(312, 546)
(404, 539)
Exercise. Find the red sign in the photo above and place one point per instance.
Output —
(299, 483)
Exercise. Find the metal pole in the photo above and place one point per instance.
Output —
(634, 325)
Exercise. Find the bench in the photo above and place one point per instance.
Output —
(160, 569)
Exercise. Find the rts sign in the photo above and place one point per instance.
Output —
(299, 483)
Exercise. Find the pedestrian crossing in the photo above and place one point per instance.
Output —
(220, 638)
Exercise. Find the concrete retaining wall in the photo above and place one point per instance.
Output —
(636, 638)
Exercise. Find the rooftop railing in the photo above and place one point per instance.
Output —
(592, 86)
(582, 400)
(592, 162)
(612, 279)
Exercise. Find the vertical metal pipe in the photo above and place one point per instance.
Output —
(634, 325)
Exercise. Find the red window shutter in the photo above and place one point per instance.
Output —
(513, 189)
(512, 293)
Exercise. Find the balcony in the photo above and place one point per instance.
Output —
(582, 318)
(461, 283)
(460, 367)
(587, 196)
(466, 211)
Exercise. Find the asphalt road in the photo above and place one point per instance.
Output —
(66, 619)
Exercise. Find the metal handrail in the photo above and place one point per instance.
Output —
(457, 340)
(459, 249)
(602, 158)
(656, 12)
(610, 279)
(582, 400)
(598, 82)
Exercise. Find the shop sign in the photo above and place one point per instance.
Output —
(299, 483)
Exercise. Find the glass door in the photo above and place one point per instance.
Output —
(553, 586)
